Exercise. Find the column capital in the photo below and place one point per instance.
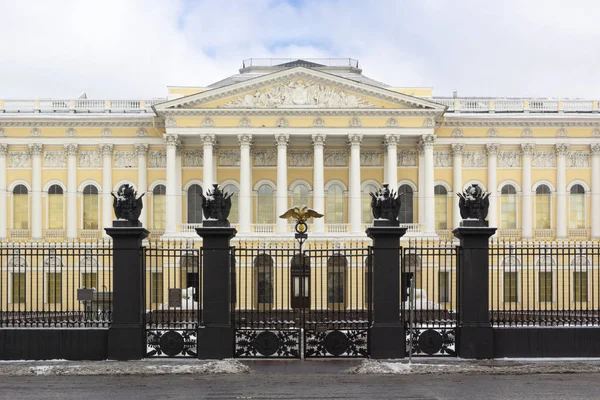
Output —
(35, 149)
(561, 149)
(318, 139)
(457, 149)
(595, 148)
(215, 149)
(527, 149)
(492, 148)
(170, 139)
(245, 140)
(420, 147)
(141, 149)
(354, 139)
(106, 149)
(178, 147)
(3, 149)
(390, 140)
(71, 149)
(209, 140)
(428, 141)
(282, 140)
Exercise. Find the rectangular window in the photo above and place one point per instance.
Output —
(577, 211)
(156, 287)
(55, 211)
(335, 209)
(21, 211)
(510, 287)
(90, 211)
(542, 211)
(545, 287)
(89, 280)
(508, 207)
(160, 211)
(441, 208)
(444, 287)
(580, 286)
(54, 287)
(18, 287)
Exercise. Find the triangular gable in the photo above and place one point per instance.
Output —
(299, 88)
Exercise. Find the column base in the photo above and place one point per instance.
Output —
(388, 340)
(475, 342)
(215, 342)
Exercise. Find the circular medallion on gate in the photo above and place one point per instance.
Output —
(430, 341)
(336, 343)
(266, 343)
(171, 343)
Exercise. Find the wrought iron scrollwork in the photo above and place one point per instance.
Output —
(171, 343)
(267, 343)
(434, 341)
(337, 343)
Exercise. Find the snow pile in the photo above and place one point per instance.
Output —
(368, 367)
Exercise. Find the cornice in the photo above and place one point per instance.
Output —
(589, 121)
(277, 112)
(74, 121)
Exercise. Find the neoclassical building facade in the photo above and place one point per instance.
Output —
(292, 132)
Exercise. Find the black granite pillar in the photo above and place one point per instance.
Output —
(215, 335)
(127, 332)
(387, 334)
(475, 336)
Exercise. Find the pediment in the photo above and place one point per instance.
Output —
(299, 88)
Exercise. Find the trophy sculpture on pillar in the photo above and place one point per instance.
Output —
(474, 204)
(127, 207)
(385, 205)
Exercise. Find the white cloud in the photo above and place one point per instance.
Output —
(134, 48)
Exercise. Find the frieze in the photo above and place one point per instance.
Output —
(526, 133)
(19, 159)
(170, 122)
(265, 158)
(35, 132)
(562, 132)
(90, 159)
(55, 159)
(141, 132)
(392, 123)
(596, 132)
(578, 159)
(335, 158)
(371, 158)
(157, 159)
(106, 132)
(543, 159)
(442, 159)
(229, 158)
(299, 93)
(2, 133)
(244, 122)
(475, 159)
(428, 123)
(457, 133)
(318, 122)
(193, 158)
(125, 159)
(282, 123)
(492, 133)
(509, 159)
(300, 158)
(407, 158)
(355, 123)
(208, 123)
(71, 132)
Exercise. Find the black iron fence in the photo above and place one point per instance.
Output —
(55, 284)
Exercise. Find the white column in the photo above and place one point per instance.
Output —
(207, 167)
(561, 190)
(215, 158)
(318, 141)
(245, 195)
(179, 189)
(595, 206)
(526, 207)
(492, 151)
(428, 183)
(457, 185)
(171, 217)
(391, 143)
(3, 193)
(142, 180)
(72, 214)
(354, 194)
(107, 201)
(421, 188)
(36, 188)
(385, 162)
(281, 141)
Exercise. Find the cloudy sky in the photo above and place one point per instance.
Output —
(135, 48)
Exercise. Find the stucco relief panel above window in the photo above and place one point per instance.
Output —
(407, 158)
(578, 159)
(509, 159)
(229, 158)
(265, 158)
(55, 159)
(300, 158)
(19, 159)
(335, 158)
(442, 159)
(90, 159)
(371, 158)
(543, 159)
(157, 159)
(193, 158)
(475, 159)
(125, 159)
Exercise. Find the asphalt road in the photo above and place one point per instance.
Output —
(303, 386)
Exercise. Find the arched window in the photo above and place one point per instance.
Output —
(545, 266)
(441, 207)
(508, 207)
(233, 213)
(577, 207)
(90, 207)
(264, 205)
(336, 281)
(579, 266)
(406, 204)
(300, 196)
(55, 207)
(334, 207)
(159, 206)
(542, 207)
(194, 204)
(20, 207)
(367, 214)
(263, 267)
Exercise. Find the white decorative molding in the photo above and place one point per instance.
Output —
(371, 158)
(543, 159)
(457, 133)
(141, 149)
(141, 132)
(492, 148)
(265, 158)
(578, 159)
(71, 149)
(335, 158)
(3, 149)
(106, 132)
(509, 159)
(125, 159)
(244, 123)
(299, 92)
(55, 159)
(561, 149)
(407, 158)
(35, 149)
(595, 148)
(562, 132)
(442, 158)
(193, 158)
(229, 158)
(596, 132)
(2, 133)
(282, 123)
(35, 132)
(457, 149)
(475, 159)
(355, 122)
(19, 159)
(526, 133)
(428, 123)
(157, 159)
(492, 133)
(90, 159)
(300, 158)
(392, 123)
(71, 132)
(170, 122)
(208, 123)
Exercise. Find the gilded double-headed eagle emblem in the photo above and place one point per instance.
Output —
(300, 215)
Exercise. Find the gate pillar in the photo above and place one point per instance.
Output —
(127, 332)
(387, 333)
(215, 335)
(475, 336)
